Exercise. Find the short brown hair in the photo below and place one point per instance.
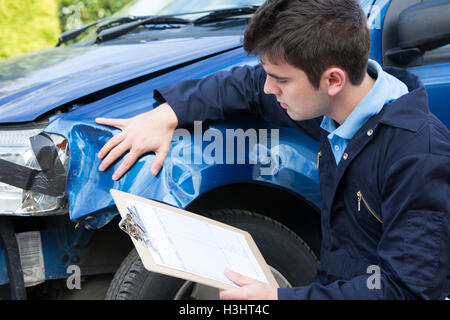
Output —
(312, 35)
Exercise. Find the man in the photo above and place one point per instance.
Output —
(384, 158)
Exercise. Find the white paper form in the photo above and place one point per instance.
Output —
(194, 246)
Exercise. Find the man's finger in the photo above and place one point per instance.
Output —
(231, 294)
(158, 161)
(118, 123)
(127, 163)
(237, 278)
(114, 154)
(114, 141)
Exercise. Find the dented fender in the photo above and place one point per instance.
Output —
(182, 179)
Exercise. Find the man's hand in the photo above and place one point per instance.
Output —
(250, 289)
(148, 132)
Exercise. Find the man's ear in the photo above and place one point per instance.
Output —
(333, 80)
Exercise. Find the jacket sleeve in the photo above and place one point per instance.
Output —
(414, 249)
(363, 287)
(224, 93)
(415, 246)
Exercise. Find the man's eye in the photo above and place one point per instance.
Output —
(281, 81)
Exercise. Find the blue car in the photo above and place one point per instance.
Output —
(58, 222)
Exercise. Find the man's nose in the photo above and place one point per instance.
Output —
(270, 87)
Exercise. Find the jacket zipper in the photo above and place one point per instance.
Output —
(360, 197)
(318, 158)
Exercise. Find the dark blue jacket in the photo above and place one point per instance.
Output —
(387, 203)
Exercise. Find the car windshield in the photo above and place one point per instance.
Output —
(170, 7)
(190, 10)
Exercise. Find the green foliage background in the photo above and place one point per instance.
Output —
(86, 10)
(27, 25)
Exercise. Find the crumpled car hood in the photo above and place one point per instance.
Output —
(38, 82)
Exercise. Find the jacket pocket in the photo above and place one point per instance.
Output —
(362, 201)
(426, 250)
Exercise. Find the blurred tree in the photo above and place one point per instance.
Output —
(75, 13)
(27, 25)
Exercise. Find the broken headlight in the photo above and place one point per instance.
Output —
(33, 169)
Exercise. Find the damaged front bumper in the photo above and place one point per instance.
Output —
(33, 171)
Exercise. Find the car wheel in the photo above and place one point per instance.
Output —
(290, 259)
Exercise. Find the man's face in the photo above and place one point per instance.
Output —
(294, 92)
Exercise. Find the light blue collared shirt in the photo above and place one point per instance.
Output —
(386, 89)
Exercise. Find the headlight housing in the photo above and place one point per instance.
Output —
(33, 170)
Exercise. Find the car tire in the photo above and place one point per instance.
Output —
(291, 260)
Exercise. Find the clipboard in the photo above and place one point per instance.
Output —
(132, 224)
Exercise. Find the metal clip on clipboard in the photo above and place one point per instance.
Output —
(133, 226)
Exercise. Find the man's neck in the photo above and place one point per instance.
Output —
(349, 99)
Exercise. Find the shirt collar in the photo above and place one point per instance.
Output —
(385, 89)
